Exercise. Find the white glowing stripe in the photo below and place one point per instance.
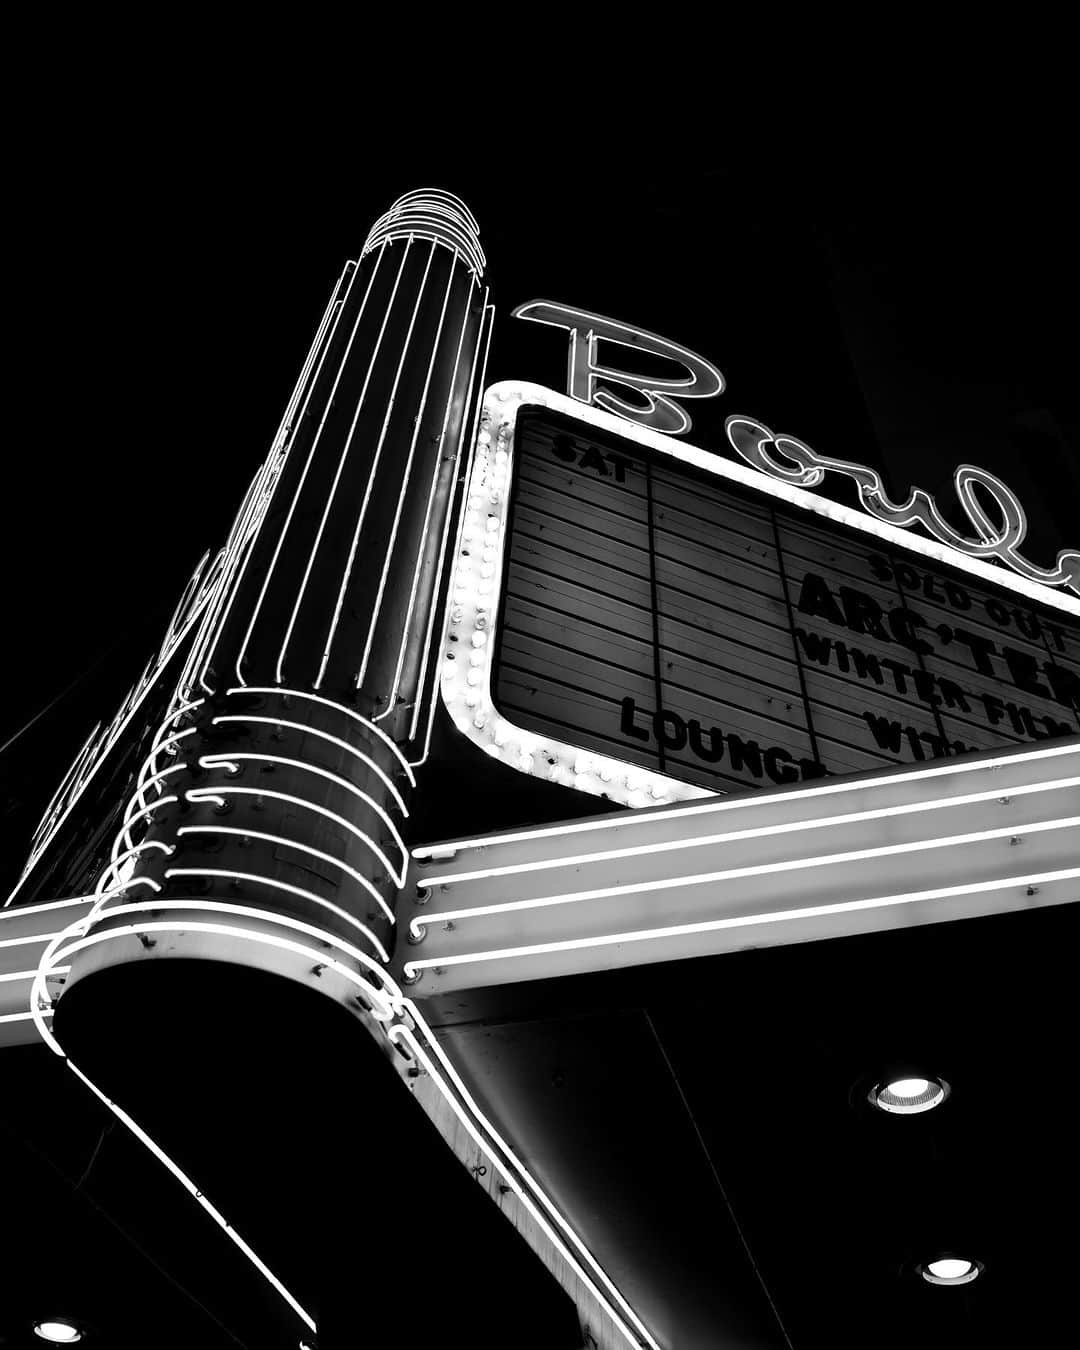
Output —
(384, 997)
(824, 789)
(324, 736)
(226, 761)
(249, 522)
(758, 832)
(406, 477)
(204, 794)
(234, 555)
(342, 914)
(39, 1013)
(745, 920)
(642, 1336)
(488, 323)
(377, 457)
(421, 922)
(495, 1137)
(181, 1176)
(346, 446)
(20, 1017)
(422, 550)
(280, 840)
(269, 470)
(338, 707)
(46, 908)
(15, 975)
(25, 941)
(334, 304)
(299, 487)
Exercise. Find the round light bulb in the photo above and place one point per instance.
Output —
(950, 1270)
(909, 1087)
(58, 1331)
(909, 1096)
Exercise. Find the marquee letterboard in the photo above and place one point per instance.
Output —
(667, 618)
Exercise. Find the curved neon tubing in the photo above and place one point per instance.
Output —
(133, 852)
(280, 886)
(387, 998)
(302, 848)
(227, 760)
(324, 736)
(338, 707)
(212, 794)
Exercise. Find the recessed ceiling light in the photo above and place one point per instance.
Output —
(909, 1096)
(950, 1270)
(58, 1330)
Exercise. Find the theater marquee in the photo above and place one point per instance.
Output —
(648, 621)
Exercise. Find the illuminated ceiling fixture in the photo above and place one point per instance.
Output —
(909, 1096)
(58, 1330)
(950, 1270)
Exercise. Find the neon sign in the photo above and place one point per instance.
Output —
(787, 457)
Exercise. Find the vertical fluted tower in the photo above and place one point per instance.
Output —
(270, 820)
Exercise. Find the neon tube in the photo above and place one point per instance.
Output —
(404, 489)
(345, 448)
(228, 760)
(737, 836)
(825, 789)
(274, 884)
(412, 968)
(282, 842)
(340, 603)
(420, 923)
(325, 736)
(338, 707)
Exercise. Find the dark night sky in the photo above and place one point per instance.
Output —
(903, 300)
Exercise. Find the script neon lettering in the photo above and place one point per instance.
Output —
(998, 533)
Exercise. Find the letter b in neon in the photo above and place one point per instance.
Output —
(585, 373)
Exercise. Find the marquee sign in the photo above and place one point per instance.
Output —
(648, 622)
